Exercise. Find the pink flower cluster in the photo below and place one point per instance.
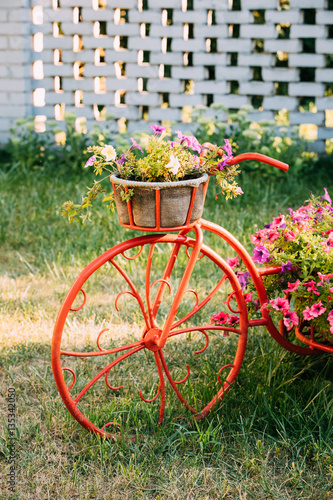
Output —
(190, 141)
(282, 305)
(302, 220)
(223, 318)
(291, 242)
(314, 311)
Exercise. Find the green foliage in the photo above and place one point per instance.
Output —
(265, 137)
(28, 149)
(55, 148)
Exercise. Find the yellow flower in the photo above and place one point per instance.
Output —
(109, 153)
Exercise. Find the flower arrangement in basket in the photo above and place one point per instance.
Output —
(157, 164)
(300, 296)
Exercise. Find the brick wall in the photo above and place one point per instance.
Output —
(15, 61)
(153, 60)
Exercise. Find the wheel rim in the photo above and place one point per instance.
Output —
(149, 304)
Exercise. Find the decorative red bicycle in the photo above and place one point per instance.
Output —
(161, 273)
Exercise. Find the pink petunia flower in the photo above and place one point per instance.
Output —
(330, 317)
(280, 304)
(311, 287)
(317, 309)
(135, 145)
(304, 226)
(290, 317)
(328, 244)
(227, 148)
(248, 297)
(195, 144)
(279, 221)
(307, 314)
(292, 287)
(221, 318)
(325, 277)
(90, 161)
(258, 238)
(290, 236)
(233, 320)
(157, 129)
(326, 197)
(273, 235)
(183, 138)
(234, 262)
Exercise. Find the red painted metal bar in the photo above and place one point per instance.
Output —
(246, 156)
(312, 343)
(267, 271)
(182, 287)
(189, 214)
(129, 208)
(173, 383)
(133, 288)
(259, 157)
(147, 286)
(158, 209)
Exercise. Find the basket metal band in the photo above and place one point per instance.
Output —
(159, 185)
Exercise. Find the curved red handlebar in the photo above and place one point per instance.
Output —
(247, 156)
(258, 157)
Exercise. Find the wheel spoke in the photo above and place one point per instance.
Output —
(228, 329)
(135, 293)
(147, 283)
(104, 371)
(103, 352)
(173, 383)
(199, 306)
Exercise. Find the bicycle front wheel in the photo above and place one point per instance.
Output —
(119, 302)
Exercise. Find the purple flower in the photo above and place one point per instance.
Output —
(157, 129)
(285, 267)
(122, 160)
(90, 161)
(222, 164)
(195, 145)
(261, 255)
(243, 279)
(182, 138)
(227, 148)
(135, 145)
(172, 143)
(239, 190)
(290, 211)
(326, 197)
(226, 157)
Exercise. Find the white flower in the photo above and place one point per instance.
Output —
(109, 153)
(173, 165)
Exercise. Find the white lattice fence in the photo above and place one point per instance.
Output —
(153, 60)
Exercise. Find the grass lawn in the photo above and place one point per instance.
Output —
(271, 437)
